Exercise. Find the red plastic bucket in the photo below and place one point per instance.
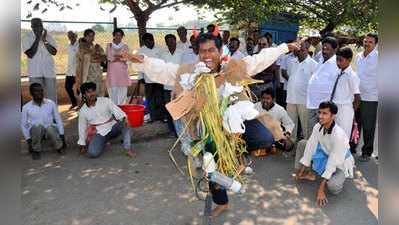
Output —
(135, 114)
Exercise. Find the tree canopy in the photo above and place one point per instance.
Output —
(349, 16)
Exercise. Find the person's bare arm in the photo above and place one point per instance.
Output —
(98, 59)
(321, 198)
(52, 50)
(299, 175)
(356, 102)
(277, 76)
(32, 50)
(284, 74)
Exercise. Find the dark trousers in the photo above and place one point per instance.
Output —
(167, 98)
(155, 100)
(281, 96)
(256, 135)
(366, 117)
(69, 82)
(219, 194)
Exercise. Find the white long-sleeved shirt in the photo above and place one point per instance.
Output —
(189, 57)
(297, 86)
(72, 58)
(42, 63)
(321, 83)
(33, 114)
(155, 52)
(237, 55)
(286, 63)
(366, 68)
(175, 58)
(335, 144)
(347, 87)
(165, 73)
(183, 46)
(100, 113)
(279, 114)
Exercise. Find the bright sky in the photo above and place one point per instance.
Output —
(89, 10)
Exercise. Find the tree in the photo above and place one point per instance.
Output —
(353, 16)
(141, 9)
(98, 28)
(244, 13)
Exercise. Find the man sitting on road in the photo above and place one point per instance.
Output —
(268, 105)
(100, 120)
(328, 148)
(41, 119)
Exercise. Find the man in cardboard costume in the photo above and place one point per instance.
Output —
(212, 98)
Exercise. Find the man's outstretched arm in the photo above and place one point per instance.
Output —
(156, 69)
(267, 56)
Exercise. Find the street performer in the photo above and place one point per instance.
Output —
(212, 98)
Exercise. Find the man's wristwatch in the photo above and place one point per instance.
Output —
(46, 42)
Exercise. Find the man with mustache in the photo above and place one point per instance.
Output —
(210, 51)
(366, 64)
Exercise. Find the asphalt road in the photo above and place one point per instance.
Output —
(114, 189)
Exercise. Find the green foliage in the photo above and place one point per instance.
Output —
(347, 16)
(353, 17)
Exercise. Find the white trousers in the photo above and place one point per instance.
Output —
(118, 95)
(344, 117)
(298, 114)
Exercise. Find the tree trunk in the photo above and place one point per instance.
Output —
(142, 26)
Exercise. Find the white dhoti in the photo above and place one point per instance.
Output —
(118, 95)
(344, 117)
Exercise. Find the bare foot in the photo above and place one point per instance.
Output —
(219, 209)
(309, 176)
(130, 154)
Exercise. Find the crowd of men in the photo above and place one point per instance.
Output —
(321, 98)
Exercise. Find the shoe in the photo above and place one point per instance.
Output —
(35, 155)
(61, 151)
(364, 158)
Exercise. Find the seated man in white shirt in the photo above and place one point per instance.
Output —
(267, 105)
(328, 148)
(38, 118)
(100, 120)
(346, 93)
